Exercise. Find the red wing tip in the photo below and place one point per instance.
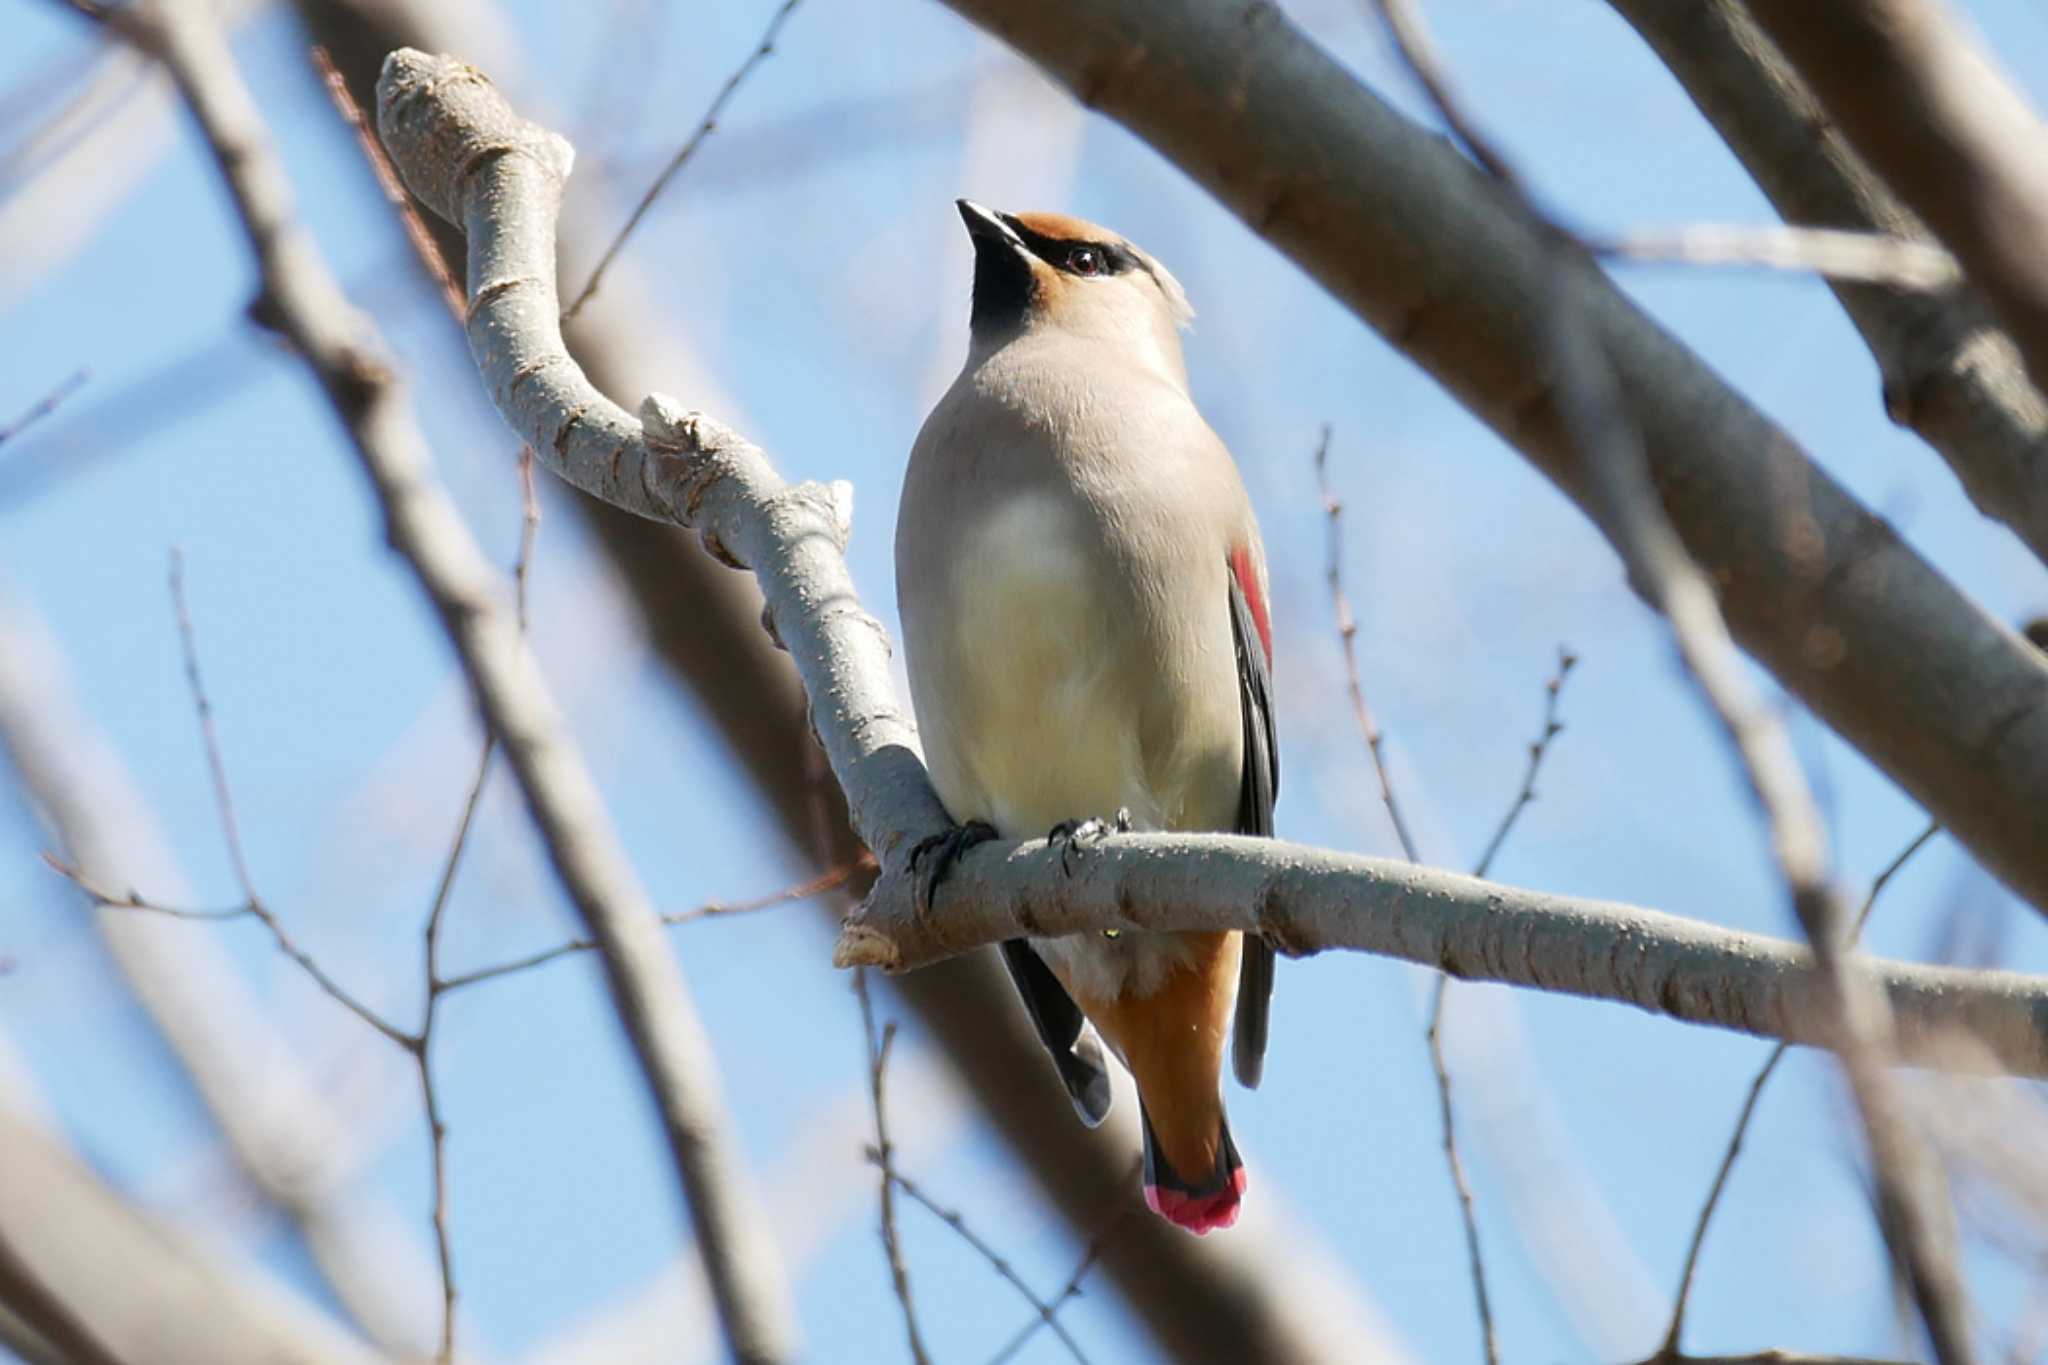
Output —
(1200, 1214)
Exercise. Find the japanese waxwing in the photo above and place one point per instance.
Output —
(1085, 624)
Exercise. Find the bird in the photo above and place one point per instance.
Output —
(1087, 635)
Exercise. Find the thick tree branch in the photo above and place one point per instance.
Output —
(104, 1286)
(424, 526)
(1949, 373)
(1309, 900)
(1941, 124)
(1414, 239)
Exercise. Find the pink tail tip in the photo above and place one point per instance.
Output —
(1200, 1214)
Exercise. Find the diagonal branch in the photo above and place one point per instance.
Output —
(101, 1284)
(425, 528)
(1945, 129)
(1949, 374)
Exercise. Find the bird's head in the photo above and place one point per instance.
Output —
(1037, 271)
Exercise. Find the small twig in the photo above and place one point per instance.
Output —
(1072, 1288)
(707, 126)
(883, 1154)
(952, 1218)
(1837, 254)
(529, 529)
(107, 899)
(1771, 1357)
(1347, 635)
(44, 406)
(1483, 1302)
(387, 181)
(208, 734)
(423, 1048)
(1368, 727)
(816, 886)
(422, 242)
(1538, 748)
(1756, 1089)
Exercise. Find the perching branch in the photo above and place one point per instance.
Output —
(1201, 1300)
(437, 115)
(1949, 373)
(425, 528)
(1417, 242)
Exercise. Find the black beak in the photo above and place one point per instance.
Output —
(1003, 282)
(985, 225)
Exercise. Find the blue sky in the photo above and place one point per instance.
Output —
(811, 259)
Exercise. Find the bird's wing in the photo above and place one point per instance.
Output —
(1076, 1052)
(1259, 787)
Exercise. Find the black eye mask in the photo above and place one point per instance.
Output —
(1117, 259)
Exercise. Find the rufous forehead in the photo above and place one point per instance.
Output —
(1063, 228)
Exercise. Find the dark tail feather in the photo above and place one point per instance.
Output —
(1199, 1206)
(1254, 996)
(1076, 1052)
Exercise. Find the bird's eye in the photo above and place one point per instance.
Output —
(1085, 260)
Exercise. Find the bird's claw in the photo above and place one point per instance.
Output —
(1069, 835)
(931, 859)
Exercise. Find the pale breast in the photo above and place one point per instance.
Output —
(1020, 668)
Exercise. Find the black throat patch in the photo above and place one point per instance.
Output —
(1002, 287)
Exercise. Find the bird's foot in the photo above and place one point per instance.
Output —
(1068, 836)
(933, 858)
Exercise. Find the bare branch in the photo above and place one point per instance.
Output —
(421, 240)
(1749, 1103)
(209, 736)
(1832, 253)
(802, 891)
(705, 128)
(1433, 1033)
(1539, 748)
(1369, 731)
(1489, 1339)
(1949, 373)
(426, 529)
(884, 1155)
(107, 1286)
(1117, 1218)
(1911, 1190)
(1347, 636)
(108, 899)
(1940, 123)
(43, 406)
(1048, 1313)
(1771, 1357)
